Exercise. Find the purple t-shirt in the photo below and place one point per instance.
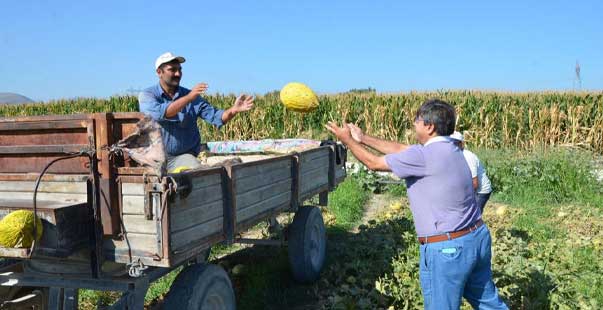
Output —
(439, 186)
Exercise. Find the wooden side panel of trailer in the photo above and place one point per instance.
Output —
(197, 215)
(139, 238)
(313, 172)
(60, 188)
(260, 189)
(28, 144)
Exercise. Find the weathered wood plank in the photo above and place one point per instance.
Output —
(313, 179)
(47, 177)
(55, 137)
(132, 189)
(140, 244)
(265, 192)
(263, 205)
(254, 181)
(188, 236)
(60, 197)
(45, 187)
(183, 219)
(322, 162)
(132, 204)
(45, 149)
(52, 125)
(14, 252)
(134, 223)
(198, 198)
(206, 180)
(313, 154)
(258, 168)
(18, 163)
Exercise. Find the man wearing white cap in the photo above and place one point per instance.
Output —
(481, 183)
(177, 108)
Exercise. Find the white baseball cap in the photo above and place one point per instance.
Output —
(167, 57)
(457, 136)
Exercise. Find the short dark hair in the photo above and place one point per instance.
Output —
(438, 113)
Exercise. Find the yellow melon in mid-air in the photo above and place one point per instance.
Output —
(16, 229)
(298, 97)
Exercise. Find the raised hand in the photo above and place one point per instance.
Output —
(356, 132)
(342, 133)
(243, 103)
(197, 90)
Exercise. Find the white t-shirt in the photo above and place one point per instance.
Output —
(477, 170)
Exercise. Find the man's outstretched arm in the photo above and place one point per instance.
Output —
(176, 106)
(243, 103)
(383, 146)
(371, 161)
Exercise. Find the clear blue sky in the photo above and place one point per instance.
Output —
(62, 49)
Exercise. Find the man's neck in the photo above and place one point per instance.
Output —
(169, 90)
(435, 138)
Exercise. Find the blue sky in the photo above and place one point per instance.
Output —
(63, 49)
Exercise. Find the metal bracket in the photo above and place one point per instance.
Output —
(136, 269)
(151, 190)
(34, 300)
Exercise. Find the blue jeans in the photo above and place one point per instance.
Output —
(457, 268)
(481, 200)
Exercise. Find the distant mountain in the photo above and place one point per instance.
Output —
(12, 98)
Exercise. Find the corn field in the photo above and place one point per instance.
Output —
(488, 119)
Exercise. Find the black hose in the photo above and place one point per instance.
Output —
(35, 193)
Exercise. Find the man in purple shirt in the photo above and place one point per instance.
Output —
(177, 109)
(455, 245)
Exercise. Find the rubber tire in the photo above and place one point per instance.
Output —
(201, 286)
(307, 244)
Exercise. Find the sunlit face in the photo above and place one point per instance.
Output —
(170, 73)
(422, 131)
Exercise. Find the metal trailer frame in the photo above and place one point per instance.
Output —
(62, 293)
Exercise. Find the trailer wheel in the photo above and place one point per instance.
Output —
(307, 244)
(201, 286)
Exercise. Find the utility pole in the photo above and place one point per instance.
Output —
(578, 79)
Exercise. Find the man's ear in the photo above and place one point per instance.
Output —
(430, 128)
(159, 70)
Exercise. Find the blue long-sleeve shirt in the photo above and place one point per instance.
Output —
(180, 133)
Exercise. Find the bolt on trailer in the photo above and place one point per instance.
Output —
(111, 223)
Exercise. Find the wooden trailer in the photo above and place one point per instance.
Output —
(110, 224)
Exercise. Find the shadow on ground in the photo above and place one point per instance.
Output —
(262, 279)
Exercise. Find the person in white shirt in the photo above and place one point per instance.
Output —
(481, 183)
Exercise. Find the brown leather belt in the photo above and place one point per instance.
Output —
(451, 235)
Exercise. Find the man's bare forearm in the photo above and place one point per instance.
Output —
(176, 106)
(228, 114)
(383, 146)
(371, 161)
